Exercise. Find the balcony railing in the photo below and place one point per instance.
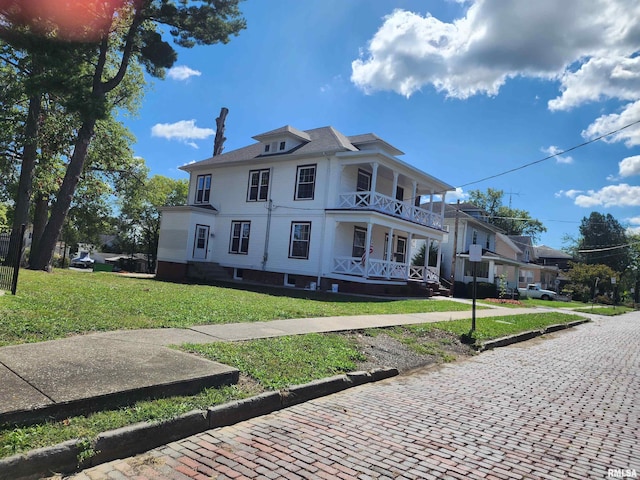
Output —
(384, 204)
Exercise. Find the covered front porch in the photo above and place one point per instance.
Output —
(378, 251)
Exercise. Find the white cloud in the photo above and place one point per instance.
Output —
(457, 194)
(568, 193)
(597, 79)
(621, 195)
(629, 166)
(553, 150)
(608, 123)
(182, 72)
(184, 130)
(496, 40)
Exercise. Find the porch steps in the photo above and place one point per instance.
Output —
(207, 271)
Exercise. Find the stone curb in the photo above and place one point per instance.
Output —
(131, 440)
(521, 337)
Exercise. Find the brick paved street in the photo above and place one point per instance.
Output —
(566, 406)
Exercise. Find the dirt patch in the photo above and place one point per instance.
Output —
(396, 348)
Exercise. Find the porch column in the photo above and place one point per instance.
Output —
(492, 266)
(438, 260)
(414, 193)
(374, 176)
(444, 195)
(409, 253)
(427, 247)
(389, 248)
(431, 202)
(367, 246)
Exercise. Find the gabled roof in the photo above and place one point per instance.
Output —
(523, 241)
(542, 251)
(450, 210)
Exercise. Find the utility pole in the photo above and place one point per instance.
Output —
(455, 249)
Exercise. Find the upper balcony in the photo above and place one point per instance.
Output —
(390, 206)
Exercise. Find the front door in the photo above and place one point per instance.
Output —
(201, 242)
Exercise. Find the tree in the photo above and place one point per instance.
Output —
(418, 258)
(603, 241)
(133, 34)
(588, 281)
(140, 207)
(512, 220)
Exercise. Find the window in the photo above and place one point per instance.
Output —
(282, 145)
(364, 181)
(299, 240)
(359, 239)
(401, 250)
(266, 148)
(474, 237)
(400, 199)
(239, 237)
(306, 181)
(482, 269)
(398, 248)
(258, 186)
(203, 188)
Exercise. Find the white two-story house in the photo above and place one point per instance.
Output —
(313, 209)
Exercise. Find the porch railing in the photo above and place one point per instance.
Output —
(384, 204)
(422, 274)
(373, 268)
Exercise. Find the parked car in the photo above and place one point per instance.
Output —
(534, 291)
(82, 261)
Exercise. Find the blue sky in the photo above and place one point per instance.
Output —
(467, 89)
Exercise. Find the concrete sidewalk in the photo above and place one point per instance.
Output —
(76, 375)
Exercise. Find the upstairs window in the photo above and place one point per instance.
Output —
(306, 182)
(203, 188)
(364, 181)
(282, 145)
(258, 186)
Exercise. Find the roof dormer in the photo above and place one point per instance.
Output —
(282, 140)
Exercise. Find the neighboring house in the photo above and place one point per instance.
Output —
(550, 256)
(510, 257)
(310, 208)
(472, 227)
(536, 271)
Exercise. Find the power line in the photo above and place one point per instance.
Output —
(604, 249)
(575, 147)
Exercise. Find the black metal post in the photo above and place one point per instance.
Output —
(473, 314)
(16, 264)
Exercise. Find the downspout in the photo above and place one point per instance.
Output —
(455, 250)
(265, 255)
(324, 224)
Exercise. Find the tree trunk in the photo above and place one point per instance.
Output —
(29, 156)
(40, 217)
(42, 259)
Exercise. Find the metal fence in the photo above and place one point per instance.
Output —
(10, 255)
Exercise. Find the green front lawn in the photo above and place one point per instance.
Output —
(65, 302)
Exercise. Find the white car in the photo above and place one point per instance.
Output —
(82, 261)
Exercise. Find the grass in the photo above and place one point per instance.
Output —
(495, 327)
(284, 361)
(64, 303)
(607, 310)
(21, 439)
